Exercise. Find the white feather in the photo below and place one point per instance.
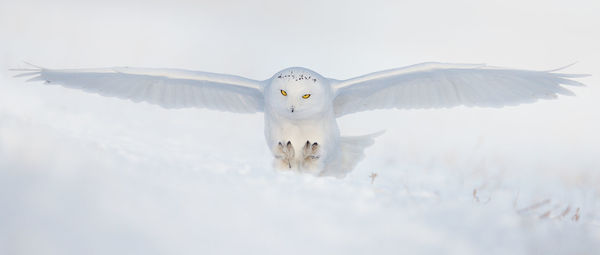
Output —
(437, 85)
(169, 88)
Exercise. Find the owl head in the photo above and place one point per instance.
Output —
(298, 93)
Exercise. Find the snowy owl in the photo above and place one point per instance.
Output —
(301, 106)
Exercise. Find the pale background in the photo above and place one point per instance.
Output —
(83, 174)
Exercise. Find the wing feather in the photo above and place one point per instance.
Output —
(169, 88)
(441, 85)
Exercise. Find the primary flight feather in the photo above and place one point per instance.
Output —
(300, 106)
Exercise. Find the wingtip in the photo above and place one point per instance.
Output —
(379, 133)
(572, 75)
(23, 70)
(562, 67)
(565, 67)
(27, 71)
(569, 76)
(26, 74)
(30, 64)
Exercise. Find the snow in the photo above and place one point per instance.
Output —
(84, 174)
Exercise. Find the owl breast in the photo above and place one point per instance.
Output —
(322, 131)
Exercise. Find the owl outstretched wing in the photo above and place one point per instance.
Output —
(169, 88)
(440, 85)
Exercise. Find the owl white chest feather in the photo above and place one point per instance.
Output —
(322, 130)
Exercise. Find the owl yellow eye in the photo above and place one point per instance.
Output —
(283, 93)
(306, 96)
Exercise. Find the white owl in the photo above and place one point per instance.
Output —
(301, 107)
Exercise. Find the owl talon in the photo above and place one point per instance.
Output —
(311, 152)
(285, 154)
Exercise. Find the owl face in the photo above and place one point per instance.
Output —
(298, 93)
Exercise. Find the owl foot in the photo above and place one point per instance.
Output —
(311, 154)
(285, 154)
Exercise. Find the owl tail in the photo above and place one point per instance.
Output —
(351, 152)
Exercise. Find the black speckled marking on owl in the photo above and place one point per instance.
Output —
(296, 78)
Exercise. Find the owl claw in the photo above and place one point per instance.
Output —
(285, 156)
(285, 153)
(311, 152)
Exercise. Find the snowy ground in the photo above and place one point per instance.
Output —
(83, 174)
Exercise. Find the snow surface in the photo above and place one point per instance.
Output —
(84, 174)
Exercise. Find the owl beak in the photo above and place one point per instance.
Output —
(292, 108)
